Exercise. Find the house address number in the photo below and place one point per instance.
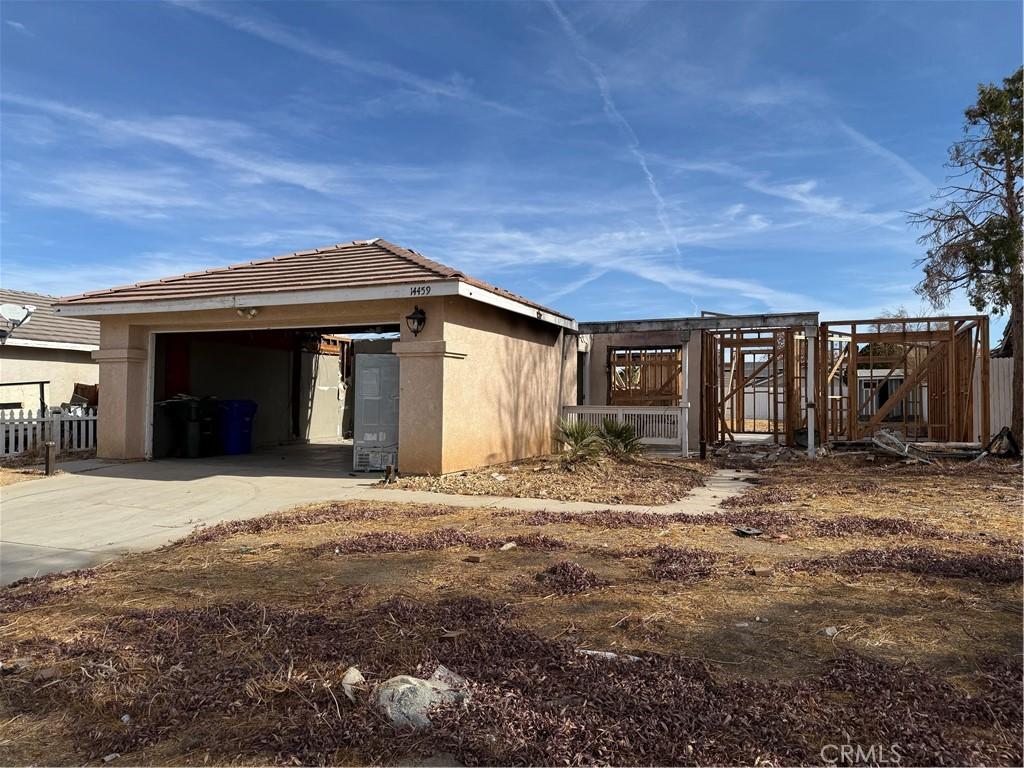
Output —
(419, 290)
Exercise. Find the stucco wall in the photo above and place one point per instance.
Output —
(478, 386)
(62, 368)
(597, 367)
(125, 351)
(505, 379)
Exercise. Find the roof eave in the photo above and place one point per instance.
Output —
(72, 346)
(448, 287)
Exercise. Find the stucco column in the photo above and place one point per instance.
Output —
(420, 406)
(421, 391)
(122, 357)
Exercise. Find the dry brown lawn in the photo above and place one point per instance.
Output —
(229, 646)
(646, 480)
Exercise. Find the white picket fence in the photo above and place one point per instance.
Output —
(657, 426)
(23, 431)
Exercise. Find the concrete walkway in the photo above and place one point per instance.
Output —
(97, 511)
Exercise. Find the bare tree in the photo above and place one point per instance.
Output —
(974, 233)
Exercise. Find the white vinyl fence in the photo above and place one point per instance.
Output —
(1000, 394)
(23, 431)
(656, 426)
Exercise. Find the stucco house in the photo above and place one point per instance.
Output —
(482, 373)
(50, 348)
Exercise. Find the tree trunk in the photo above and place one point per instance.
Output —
(1017, 336)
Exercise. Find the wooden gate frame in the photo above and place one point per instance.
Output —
(919, 347)
(725, 383)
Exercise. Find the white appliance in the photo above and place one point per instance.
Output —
(375, 424)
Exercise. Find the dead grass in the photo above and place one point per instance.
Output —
(12, 475)
(604, 480)
(229, 646)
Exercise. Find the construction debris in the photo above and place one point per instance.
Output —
(408, 701)
(351, 682)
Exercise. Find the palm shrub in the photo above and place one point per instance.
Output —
(619, 439)
(580, 438)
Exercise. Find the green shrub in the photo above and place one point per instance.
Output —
(580, 438)
(619, 439)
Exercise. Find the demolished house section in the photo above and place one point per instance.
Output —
(790, 381)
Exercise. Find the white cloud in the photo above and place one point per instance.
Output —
(117, 193)
(19, 27)
(66, 277)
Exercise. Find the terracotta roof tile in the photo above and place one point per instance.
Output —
(357, 264)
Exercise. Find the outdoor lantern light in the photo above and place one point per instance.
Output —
(416, 320)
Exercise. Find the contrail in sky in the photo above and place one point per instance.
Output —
(619, 121)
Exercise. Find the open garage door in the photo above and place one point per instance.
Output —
(293, 379)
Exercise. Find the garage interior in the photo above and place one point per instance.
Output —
(302, 380)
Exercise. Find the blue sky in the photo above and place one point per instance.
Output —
(613, 160)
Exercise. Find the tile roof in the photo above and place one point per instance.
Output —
(46, 325)
(359, 264)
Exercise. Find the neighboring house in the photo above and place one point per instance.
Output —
(482, 373)
(50, 348)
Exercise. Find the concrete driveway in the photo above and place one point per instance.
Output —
(96, 511)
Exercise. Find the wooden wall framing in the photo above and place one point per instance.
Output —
(913, 374)
(738, 362)
(645, 376)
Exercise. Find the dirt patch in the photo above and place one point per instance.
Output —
(12, 475)
(602, 480)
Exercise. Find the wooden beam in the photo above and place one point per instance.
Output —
(726, 322)
(852, 388)
(901, 392)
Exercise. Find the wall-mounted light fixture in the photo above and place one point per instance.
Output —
(249, 312)
(416, 320)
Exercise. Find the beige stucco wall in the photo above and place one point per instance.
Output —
(597, 366)
(506, 377)
(478, 386)
(62, 368)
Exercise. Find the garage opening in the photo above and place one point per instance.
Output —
(234, 392)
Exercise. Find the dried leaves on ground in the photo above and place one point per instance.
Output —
(889, 614)
(569, 578)
(603, 480)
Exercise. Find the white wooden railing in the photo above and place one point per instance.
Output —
(25, 431)
(656, 425)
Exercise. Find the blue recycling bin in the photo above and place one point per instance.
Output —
(236, 426)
